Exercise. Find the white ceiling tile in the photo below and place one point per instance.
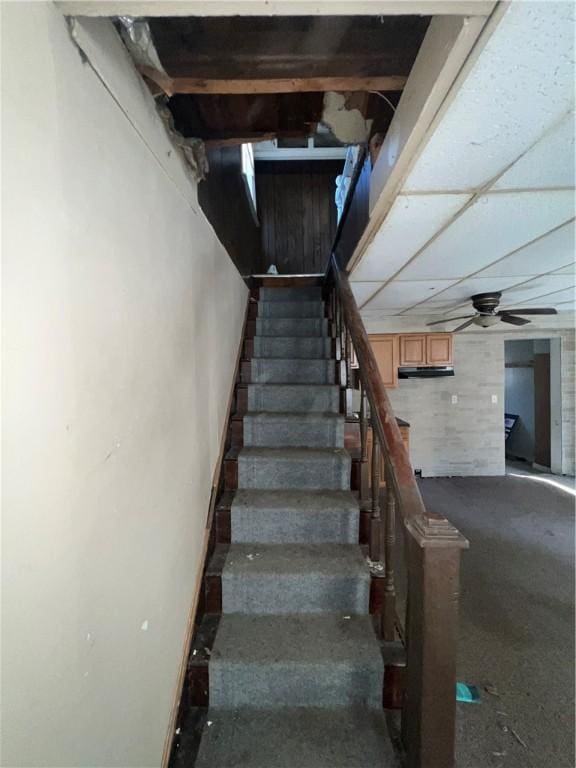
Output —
(363, 291)
(551, 252)
(569, 269)
(492, 227)
(533, 289)
(549, 163)
(427, 309)
(520, 86)
(400, 295)
(412, 221)
(460, 293)
(545, 300)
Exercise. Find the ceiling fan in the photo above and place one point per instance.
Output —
(486, 315)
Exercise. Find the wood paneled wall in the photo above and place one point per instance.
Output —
(224, 199)
(297, 213)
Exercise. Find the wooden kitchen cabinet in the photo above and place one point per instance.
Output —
(419, 349)
(413, 349)
(439, 349)
(385, 348)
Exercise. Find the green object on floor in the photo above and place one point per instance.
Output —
(467, 693)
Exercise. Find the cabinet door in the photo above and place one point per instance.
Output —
(385, 347)
(413, 349)
(439, 349)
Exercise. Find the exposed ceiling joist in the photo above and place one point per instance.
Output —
(193, 85)
(156, 8)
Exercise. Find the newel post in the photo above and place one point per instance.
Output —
(428, 719)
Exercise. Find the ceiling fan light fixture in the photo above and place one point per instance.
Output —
(486, 321)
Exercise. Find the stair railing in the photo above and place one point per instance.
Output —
(427, 624)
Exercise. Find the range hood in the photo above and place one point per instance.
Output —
(426, 372)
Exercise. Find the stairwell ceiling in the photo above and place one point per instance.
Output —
(250, 54)
(489, 203)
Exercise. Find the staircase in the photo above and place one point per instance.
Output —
(295, 666)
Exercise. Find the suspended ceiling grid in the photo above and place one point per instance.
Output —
(489, 204)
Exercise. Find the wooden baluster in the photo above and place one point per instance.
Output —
(389, 612)
(374, 544)
(364, 480)
(349, 366)
(338, 319)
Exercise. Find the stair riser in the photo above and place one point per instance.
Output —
(294, 399)
(284, 432)
(291, 309)
(310, 347)
(288, 527)
(295, 685)
(288, 326)
(272, 473)
(301, 294)
(289, 371)
(290, 593)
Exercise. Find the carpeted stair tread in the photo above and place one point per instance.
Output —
(294, 516)
(291, 309)
(291, 326)
(292, 347)
(292, 468)
(301, 737)
(286, 428)
(331, 660)
(298, 398)
(293, 370)
(327, 559)
(293, 578)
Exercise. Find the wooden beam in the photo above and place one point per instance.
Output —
(152, 8)
(192, 85)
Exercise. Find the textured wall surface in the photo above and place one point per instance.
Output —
(122, 315)
(463, 438)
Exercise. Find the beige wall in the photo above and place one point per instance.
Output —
(121, 319)
(467, 437)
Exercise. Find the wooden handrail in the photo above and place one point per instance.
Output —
(430, 527)
(432, 548)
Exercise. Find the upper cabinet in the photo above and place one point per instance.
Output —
(385, 348)
(410, 349)
(413, 349)
(417, 349)
(439, 349)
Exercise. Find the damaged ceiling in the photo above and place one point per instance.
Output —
(227, 80)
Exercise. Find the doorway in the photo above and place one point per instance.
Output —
(533, 403)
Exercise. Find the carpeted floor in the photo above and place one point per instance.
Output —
(517, 618)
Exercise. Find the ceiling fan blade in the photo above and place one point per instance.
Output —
(450, 319)
(464, 325)
(512, 319)
(529, 311)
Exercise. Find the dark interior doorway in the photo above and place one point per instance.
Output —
(528, 399)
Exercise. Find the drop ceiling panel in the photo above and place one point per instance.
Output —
(520, 86)
(550, 300)
(534, 289)
(363, 291)
(412, 221)
(459, 293)
(399, 295)
(494, 226)
(550, 162)
(551, 252)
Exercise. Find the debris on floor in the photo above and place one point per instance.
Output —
(469, 694)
